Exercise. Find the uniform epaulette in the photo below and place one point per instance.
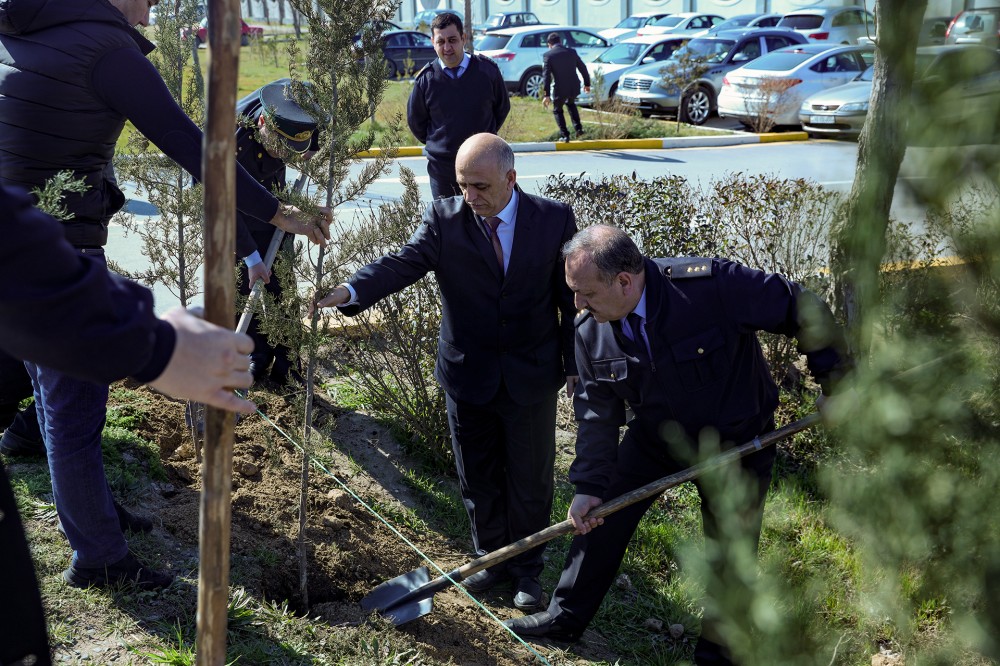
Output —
(422, 70)
(688, 267)
(581, 317)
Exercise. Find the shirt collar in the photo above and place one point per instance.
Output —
(461, 67)
(640, 307)
(509, 211)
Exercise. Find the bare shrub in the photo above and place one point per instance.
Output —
(769, 100)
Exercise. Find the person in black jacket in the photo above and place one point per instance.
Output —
(71, 73)
(505, 347)
(674, 340)
(46, 289)
(272, 129)
(559, 67)
(454, 97)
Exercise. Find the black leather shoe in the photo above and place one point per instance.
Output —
(527, 593)
(258, 370)
(22, 437)
(579, 132)
(126, 570)
(486, 579)
(542, 625)
(564, 138)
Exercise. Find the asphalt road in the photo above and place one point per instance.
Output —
(829, 163)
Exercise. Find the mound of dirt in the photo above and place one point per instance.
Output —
(350, 551)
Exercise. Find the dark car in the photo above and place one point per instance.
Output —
(501, 20)
(406, 52)
(377, 26)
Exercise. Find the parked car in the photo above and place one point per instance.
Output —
(968, 74)
(247, 32)
(687, 23)
(406, 52)
(378, 26)
(423, 19)
(932, 31)
(776, 84)
(502, 20)
(975, 26)
(744, 21)
(833, 25)
(627, 28)
(518, 52)
(624, 57)
(646, 90)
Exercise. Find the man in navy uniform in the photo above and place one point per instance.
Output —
(273, 129)
(505, 347)
(675, 340)
(559, 66)
(453, 97)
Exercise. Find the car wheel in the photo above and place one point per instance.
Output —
(696, 106)
(531, 84)
(244, 40)
(391, 72)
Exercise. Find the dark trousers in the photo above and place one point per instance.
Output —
(263, 351)
(15, 386)
(22, 622)
(444, 184)
(504, 453)
(574, 114)
(594, 558)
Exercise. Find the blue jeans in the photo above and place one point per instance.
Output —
(71, 415)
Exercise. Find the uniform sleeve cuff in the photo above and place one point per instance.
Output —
(253, 259)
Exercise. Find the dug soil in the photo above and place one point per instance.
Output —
(350, 550)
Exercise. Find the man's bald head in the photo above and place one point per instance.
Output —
(484, 169)
(486, 149)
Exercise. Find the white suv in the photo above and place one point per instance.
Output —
(518, 52)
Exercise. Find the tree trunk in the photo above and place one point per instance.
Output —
(468, 27)
(219, 170)
(297, 23)
(860, 242)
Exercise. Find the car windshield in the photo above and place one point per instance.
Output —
(621, 54)
(669, 21)
(492, 42)
(710, 50)
(779, 61)
(632, 22)
(801, 21)
(494, 21)
(867, 75)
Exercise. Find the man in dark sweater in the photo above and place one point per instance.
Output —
(560, 65)
(453, 98)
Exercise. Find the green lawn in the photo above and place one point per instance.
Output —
(261, 63)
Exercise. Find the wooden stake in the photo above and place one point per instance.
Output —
(219, 178)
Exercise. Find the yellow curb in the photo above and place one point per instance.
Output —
(775, 137)
(611, 144)
(407, 151)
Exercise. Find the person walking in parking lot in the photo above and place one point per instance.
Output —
(560, 65)
(454, 97)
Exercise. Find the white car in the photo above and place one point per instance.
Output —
(832, 25)
(610, 66)
(518, 52)
(776, 84)
(687, 23)
(628, 27)
(744, 22)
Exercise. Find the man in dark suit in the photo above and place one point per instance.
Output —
(503, 351)
(675, 340)
(560, 65)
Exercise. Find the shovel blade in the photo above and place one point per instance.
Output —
(392, 592)
(410, 610)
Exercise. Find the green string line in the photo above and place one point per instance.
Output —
(316, 463)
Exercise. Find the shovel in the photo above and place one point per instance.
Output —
(411, 595)
(194, 412)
